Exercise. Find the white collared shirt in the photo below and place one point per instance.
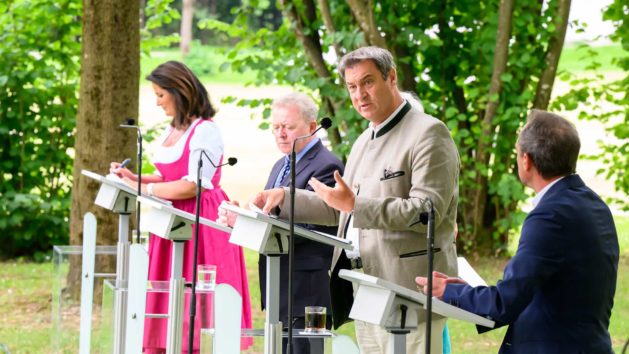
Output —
(541, 193)
(207, 136)
(386, 121)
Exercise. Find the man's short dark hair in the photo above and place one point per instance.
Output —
(551, 142)
(381, 57)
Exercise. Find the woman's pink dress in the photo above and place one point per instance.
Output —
(213, 248)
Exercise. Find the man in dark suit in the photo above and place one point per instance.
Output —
(558, 290)
(295, 115)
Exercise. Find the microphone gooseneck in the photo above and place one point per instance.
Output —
(197, 215)
(428, 218)
(324, 124)
(130, 123)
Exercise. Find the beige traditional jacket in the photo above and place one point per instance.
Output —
(393, 173)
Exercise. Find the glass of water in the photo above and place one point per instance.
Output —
(206, 277)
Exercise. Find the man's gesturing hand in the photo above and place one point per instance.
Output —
(340, 197)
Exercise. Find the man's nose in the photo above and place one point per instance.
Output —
(361, 92)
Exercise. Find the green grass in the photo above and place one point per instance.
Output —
(576, 59)
(26, 297)
(204, 61)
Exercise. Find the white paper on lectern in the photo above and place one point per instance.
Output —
(469, 274)
(283, 224)
(439, 307)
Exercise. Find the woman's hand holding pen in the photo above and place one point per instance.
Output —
(120, 170)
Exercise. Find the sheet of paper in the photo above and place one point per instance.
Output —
(255, 208)
(467, 273)
(114, 177)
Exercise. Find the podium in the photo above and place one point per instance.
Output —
(268, 236)
(394, 307)
(172, 224)
(119, 198)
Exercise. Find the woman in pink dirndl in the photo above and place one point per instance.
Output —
(192, 130)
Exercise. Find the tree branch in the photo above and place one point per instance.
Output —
(329, 25)
(551, 59)
(314, 52)
(363, 11)
(501, 55)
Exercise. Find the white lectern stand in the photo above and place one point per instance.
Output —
(394, 307)
(119, 198)
(269, 236)
(172, 224)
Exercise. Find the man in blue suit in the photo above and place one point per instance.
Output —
(557, 292)
(295, 115)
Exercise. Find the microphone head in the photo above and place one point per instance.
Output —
(129, 123)
(232, 161)
(326, 123)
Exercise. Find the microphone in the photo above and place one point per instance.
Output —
(324, 124)
(428, 218)
(130, 123)
(231, 161)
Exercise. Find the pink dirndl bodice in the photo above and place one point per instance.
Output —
(213, 248)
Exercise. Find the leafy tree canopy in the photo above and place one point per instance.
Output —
(479, 66)
(39, 71)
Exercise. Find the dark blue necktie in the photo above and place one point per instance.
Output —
(284, 171)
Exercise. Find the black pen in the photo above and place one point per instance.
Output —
(124, 163)
(418, 253)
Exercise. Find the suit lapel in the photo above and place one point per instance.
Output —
(274, 172)
(302, 163)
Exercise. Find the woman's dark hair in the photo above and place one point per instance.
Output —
(191, 97)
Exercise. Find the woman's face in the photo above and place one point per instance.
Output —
(165, 100)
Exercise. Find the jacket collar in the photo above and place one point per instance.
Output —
(393, 122)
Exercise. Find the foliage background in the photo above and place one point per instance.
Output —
(448, 53)
(39, 66)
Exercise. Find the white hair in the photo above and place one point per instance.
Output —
(303, 102)
(412, 98)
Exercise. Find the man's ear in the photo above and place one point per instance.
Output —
(393, 76)
(527, 163)
(312, 126)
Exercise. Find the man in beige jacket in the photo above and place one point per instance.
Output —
(403, 161)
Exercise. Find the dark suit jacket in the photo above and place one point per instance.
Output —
(312, 259)
(557, 292)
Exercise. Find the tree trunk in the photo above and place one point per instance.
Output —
(329, 25)
(109, 93)
(311, 41)
(363, 11)
(551, 59)
(187, 15)
(405, 69)
(483, 154)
